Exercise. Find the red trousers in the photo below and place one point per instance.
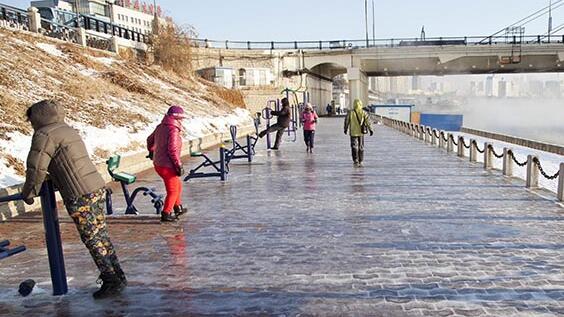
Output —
(173, 186)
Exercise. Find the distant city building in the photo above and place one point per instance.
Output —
(489, 86)
(133, 15)
(502, 89)
(553, 89)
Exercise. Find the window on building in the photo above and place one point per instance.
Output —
(242, 77)
(97, 9)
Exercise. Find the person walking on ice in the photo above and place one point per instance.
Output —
(309, 120)
(357, 124)
(283, 122)
(58, 150)
(165, 148)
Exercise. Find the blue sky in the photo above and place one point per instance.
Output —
(343, 19)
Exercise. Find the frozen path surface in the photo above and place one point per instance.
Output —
(416, 232)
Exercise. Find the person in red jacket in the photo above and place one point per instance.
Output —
(165, 147)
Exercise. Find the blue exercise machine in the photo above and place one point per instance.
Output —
(239, 151)
(52, 236)
(220, 167)
(126, 179)
(6, 252)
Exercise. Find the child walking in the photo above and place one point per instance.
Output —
(309, 120)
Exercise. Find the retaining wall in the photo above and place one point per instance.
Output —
(134, 164)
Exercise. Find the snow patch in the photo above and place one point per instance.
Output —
(50, 49)
(104, 60)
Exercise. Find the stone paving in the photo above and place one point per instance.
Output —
(416, 232)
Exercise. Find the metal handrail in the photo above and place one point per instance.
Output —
(390, 42)
(52, 235)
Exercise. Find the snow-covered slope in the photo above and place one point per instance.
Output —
(114, 103)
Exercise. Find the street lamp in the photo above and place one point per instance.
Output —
(366, 22)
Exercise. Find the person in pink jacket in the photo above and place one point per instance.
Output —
(309, 120)
(165, 148)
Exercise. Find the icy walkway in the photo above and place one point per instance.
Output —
(417, 232)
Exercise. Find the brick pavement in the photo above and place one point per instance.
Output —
(416, 232)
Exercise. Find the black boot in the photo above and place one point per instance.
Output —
(111, 286)
(179, 210)
(168, 217)
(120, 273)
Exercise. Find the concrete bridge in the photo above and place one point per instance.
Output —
(317, 63)
(438, 60)
(416, 232)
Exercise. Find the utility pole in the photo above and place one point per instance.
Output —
(366, 22)
(155, 19)
(549, 19)
(373, 24)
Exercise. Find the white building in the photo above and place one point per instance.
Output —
(134, 15)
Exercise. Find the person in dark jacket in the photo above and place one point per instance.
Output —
(58, 151)
(165, 148)
(283, 122)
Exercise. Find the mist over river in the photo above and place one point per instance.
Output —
(534, 118)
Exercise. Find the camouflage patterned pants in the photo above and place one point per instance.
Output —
(88, 213)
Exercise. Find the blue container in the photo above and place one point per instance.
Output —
(447, 122)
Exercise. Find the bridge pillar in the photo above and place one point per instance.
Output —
(358, 85)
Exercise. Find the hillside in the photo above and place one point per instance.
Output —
(114, 102)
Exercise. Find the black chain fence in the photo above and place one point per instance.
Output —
(549, 177)
(521, 164)
(492, 149)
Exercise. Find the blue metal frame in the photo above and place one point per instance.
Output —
(156, 199)
(6, 252)
(52, 236)
(221, 167)
(248, 150)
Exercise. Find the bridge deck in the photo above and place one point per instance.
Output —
(416, 232)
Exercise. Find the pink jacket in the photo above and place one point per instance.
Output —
(309, 119)
(166, 143)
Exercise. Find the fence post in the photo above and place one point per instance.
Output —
(461, 146)
(532, 172)
(450, 144)
(473, 151)
(422, 133)
(427, 136)
(441, 140)
(53, 239)
(81, 37)
(507, 162)
(560, 194)
(433, 137)
(34, 19)
(488, 156)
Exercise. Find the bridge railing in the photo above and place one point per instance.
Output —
(13, 17)
(52, 236)
(447, 140)
(78, 28)
(379, 43)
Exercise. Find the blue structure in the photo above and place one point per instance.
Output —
(52, 236)
(6, 252)
(126, 179)
(447, 122)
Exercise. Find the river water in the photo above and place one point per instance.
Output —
(536, 119)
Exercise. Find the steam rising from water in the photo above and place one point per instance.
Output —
(536, 118)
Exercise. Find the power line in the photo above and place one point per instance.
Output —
(529, 18)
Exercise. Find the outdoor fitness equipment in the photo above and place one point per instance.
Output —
(126, 179)
(267, 115)
(52, 236)
(6, 252)
(239, 151)
(220, 167)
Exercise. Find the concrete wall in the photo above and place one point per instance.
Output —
(133, 164)
(551, 148)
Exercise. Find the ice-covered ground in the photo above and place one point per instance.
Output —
(549, 161)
